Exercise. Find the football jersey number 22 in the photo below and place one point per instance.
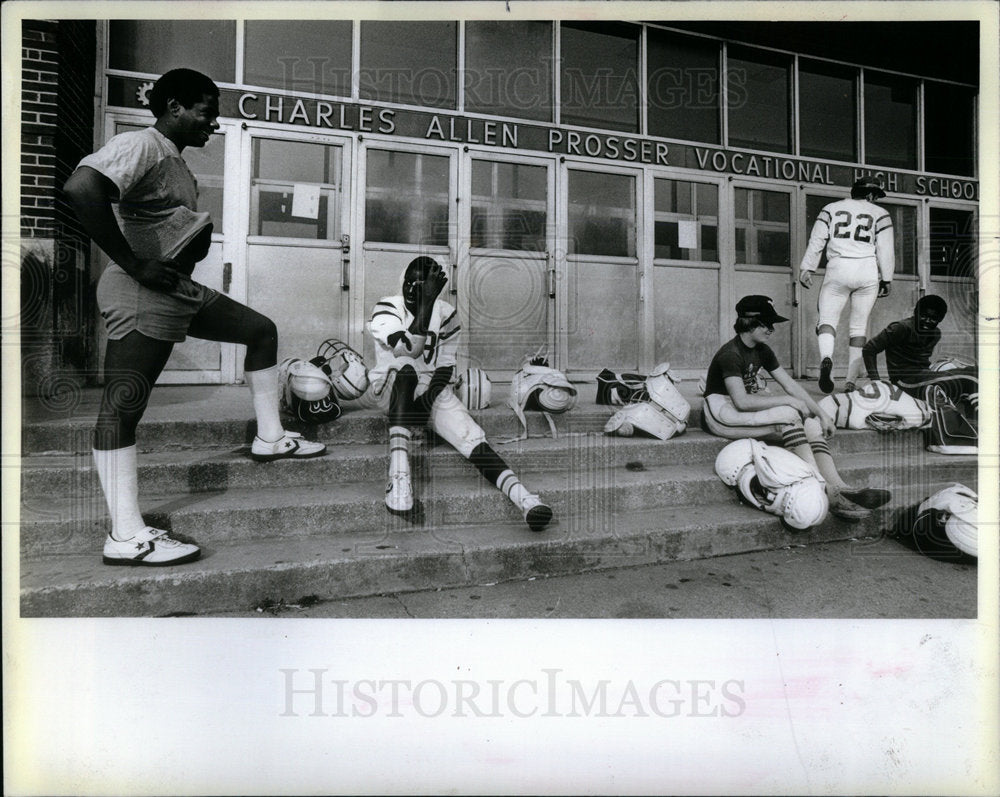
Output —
(862, 226)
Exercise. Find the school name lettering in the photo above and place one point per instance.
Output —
(763, 166)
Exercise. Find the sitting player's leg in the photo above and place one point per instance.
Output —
(837, 489)
(832, 298)
(231, 322)
(399, 491)
(132, 365)
(862, 302)
(453, 423)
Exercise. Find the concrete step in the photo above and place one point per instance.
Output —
(346, 563)
(233, 426)
(170, 471)
(451, 497)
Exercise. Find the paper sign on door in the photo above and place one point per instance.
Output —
(305, 200)
(687, 234)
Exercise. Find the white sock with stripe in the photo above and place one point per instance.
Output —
(399, 450)
(854, 363)
(264, 390)
(511, 486)
(118, 472)
(825, 341)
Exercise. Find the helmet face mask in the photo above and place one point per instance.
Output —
(344, 366)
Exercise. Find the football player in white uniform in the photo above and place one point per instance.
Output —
(416, 342)
(858, 238)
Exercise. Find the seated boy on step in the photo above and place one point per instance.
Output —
(734, 408)
(416, 342)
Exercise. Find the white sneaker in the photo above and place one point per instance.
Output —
(537, 514)
(149, 548)
(398, 493)
(291, 445)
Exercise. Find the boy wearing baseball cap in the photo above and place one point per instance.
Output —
(735, 408)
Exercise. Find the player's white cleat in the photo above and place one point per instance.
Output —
(291, 445)
(149, 548)
(398, 493)
(537, 514)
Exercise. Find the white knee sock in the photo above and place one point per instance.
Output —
(825, 341)
(117, 471)
(854, 363)
(399, 450)
(511, 486)
(264, 391)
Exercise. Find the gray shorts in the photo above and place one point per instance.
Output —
(128, 306)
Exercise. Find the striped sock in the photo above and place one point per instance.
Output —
(793, 437)
(819, 447)
(511, 486)
(399, 450)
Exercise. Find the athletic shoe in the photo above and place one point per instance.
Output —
(825, 382)
(868, 497)
(291, 445)
(536, 513)
(398, 493)
(149, 548)
(848, 510)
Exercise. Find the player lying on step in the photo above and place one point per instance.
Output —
(735, 408)
(416, 341)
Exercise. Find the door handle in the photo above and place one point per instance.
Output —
(227, 276)
(454, 285)
(345, 262)
(551, 276)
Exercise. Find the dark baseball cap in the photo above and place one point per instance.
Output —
(759, 308)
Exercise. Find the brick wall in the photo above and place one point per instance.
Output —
(58, 311)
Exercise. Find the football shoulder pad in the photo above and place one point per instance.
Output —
(662, 389)
(643, 416)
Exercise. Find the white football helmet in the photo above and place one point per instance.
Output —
(732, 459)
(646, 417)
(660, 384)
(801, 505)
(305, 380)
(345, 367)
(474, 389)
(959, 505)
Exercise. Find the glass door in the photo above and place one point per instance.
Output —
(408, 197)
(298, 265)
(763, 258)
(506, 275)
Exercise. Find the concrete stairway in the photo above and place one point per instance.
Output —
(318, 529)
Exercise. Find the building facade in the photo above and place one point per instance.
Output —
(603, 191)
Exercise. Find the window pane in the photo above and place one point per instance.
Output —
(414, 63)
(762, 231)
(683, 87)
(948, 129)
(757, 95)
(599, 87)
(890, 121)
(508, 206)
(953, 243)
(406, 201)
(492, 86)
(313, 56)
(286, 174)
(680, 233)
(827, 112)
(158, 46)
(601, 214)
